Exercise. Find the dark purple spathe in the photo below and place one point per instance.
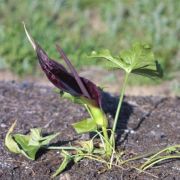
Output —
(64, 80)
(69, 82)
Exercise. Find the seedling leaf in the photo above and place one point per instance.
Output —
(27, 150)
(36, 138)
(10, 142)
(29, 144)
(86, 125)
(46, 140)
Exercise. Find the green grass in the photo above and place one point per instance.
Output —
(81, 26)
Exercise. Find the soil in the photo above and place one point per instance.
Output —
(147, 124)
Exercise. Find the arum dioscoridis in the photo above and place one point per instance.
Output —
(69, 82)
(76, 87)
(139, 59)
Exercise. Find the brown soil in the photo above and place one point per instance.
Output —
(147, 124)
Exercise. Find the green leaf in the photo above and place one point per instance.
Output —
(36, 138)
(172, 149)
(154, 71)
(26, 149)
(139, 60)
(66, 161)
(47, 139)
(29, 144)
(85, 125)
(95, 112)
(10, 142)
(105, 53)
(76, 99)
(127, 57)
(98, 115)
(71, 98)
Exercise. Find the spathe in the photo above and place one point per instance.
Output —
(69, 82)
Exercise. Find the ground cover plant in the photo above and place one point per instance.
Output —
(139, 60)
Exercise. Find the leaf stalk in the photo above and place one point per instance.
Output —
(118, 109)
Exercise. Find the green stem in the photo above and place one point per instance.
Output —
(101, 121)
(159, 160)
(64, 148)
(107, 144)
(158, 153)
(118, 109)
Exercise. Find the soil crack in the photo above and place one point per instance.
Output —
(148, 114)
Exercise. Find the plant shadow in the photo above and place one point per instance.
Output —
(109, 106)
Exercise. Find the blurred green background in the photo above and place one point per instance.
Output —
(81, 26)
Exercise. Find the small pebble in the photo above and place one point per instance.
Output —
(158, 126)
(131, 131)
(176, 168)
(65, 176)
(3, 125)
(126, 130)
(153, 132)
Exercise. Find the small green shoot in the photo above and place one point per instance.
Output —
(86, 125)
(139, 60)
(67, 159)
(172, 152)
(29, 144)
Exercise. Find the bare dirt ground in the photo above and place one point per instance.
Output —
(147, 124)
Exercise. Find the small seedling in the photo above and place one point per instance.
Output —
(139, 60)
(29, 144)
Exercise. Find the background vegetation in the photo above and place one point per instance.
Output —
(81, 26)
